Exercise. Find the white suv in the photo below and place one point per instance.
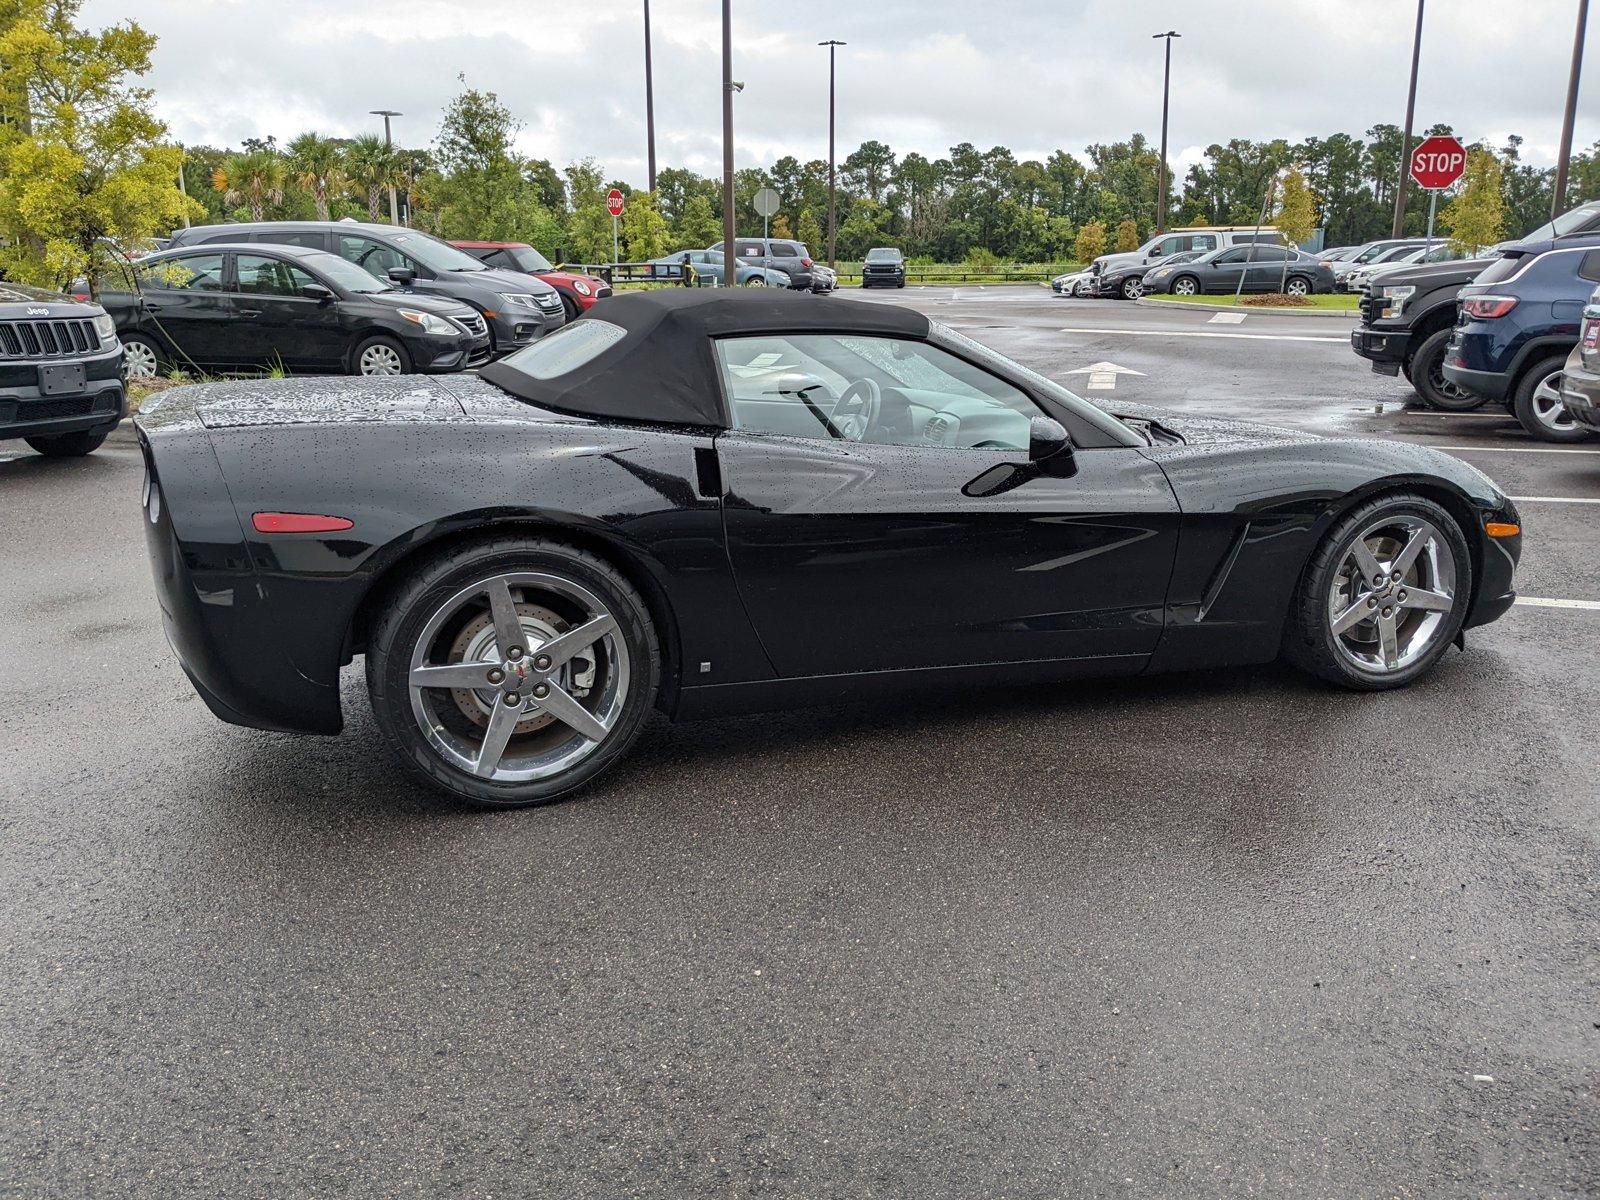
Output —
(1176, 241)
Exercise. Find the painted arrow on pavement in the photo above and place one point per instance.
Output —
(1103, 375)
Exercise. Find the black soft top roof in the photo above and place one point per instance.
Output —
(664, 370)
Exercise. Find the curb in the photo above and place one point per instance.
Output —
(1254, 310)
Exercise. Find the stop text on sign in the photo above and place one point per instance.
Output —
(1437, 162)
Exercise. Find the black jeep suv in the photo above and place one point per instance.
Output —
(60, 372)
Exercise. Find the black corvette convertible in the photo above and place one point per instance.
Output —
(719, 501)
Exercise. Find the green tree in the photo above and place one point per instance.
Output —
(81, 158)
(253, 179)
(589, 224)
(780, 227)
(867, 170)
(316, 163)
(699, 226)
(1127, 236)
(372, 168)
(1296, 217)
(644, 230)
(481, 190)
(809, 231)
(1476, 217)
(1091, 242)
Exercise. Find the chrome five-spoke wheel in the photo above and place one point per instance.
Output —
(1393, 594)
(1547, 406)
(519, 677)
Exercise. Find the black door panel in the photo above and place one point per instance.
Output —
(859, 557)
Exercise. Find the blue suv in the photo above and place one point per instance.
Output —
(1517, 322)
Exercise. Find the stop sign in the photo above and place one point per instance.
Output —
(1437, 162)
(614, 200)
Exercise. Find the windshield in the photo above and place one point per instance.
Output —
(345, 274)
(1567, 222)
(881, 254)
(434, 254)
(528, 259)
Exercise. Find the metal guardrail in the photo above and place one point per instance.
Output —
(682, 274)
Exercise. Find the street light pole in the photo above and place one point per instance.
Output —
(1558, 202)
(832, 44)
(388, 142)
(1405, 139)
(729, 233)
(649, 103)
(1166, 94)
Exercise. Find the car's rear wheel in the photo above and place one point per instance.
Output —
(1426, 372)
(1132, 288)
(1298, 285)
(141, 358)
(1537, 403)
(1185, 285)
(512, 671)
(70, 445)
(380, 355)
(755, 281)
(1383, 596)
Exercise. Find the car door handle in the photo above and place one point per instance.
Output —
(249, 312)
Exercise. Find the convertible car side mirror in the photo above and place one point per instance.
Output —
(1050, 448)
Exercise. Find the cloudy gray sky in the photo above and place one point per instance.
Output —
(919, 74)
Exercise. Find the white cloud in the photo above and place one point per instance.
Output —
(918, 74)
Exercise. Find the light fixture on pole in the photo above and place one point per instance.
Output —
(649, 104)
(388, 142)
(1405, 138)
(1166, 94)
(833, 45)
(1558, 201)
(729, 232)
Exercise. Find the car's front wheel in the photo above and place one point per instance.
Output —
(1383, 596)
(380, 355)
(70, 445)
(755, 281)
(512, 671)
(1536, 402)
(1426, 372)
(1132, 289)
(1186, 285)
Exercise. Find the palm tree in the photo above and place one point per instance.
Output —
(254, 179)
(372, 167)
(317, 163)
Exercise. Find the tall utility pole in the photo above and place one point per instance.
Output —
(388, 141)
(649, 103)
(833, 46)
(1166, 95)
(730, 235)
(1559, 202)
(1405, 138)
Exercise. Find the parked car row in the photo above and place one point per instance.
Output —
(1499, 329)
(761, 262)
(1247, 267)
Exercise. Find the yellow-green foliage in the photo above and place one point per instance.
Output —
(1477, 216)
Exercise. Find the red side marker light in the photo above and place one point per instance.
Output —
(282, 522)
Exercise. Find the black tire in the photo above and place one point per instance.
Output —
(1191, 281)
(70, 445)
(1425, 370)
(405, 612)
(377, 345)
(1309, 641)
(901, 284)
(139, 349)
(1530, 404)
(1298, 285)
(570, 307)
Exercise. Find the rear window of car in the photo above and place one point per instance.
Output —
(1589, 268)
(1503, 267)
(567, 349)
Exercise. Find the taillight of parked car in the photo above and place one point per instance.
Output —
(1591, 333)
(1488, 307)
(806, 263)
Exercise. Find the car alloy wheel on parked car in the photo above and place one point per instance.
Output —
(1537, 403)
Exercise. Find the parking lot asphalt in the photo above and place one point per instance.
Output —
(1217, 934)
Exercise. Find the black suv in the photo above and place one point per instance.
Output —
(778, 254)
(60, 372)
(1408, 316)
(884, 264)
(518, 308)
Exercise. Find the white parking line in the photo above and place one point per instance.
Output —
(1544, 602)
(1556, 499)
(1201, 333)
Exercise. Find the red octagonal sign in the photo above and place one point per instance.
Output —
(1437, 162)
(614, 199)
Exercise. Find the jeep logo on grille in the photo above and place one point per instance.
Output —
(38, 312)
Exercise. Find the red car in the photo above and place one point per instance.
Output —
(578, 292)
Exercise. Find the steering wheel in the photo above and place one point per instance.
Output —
(857, 410)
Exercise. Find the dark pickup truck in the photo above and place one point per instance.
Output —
(1406, 320)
